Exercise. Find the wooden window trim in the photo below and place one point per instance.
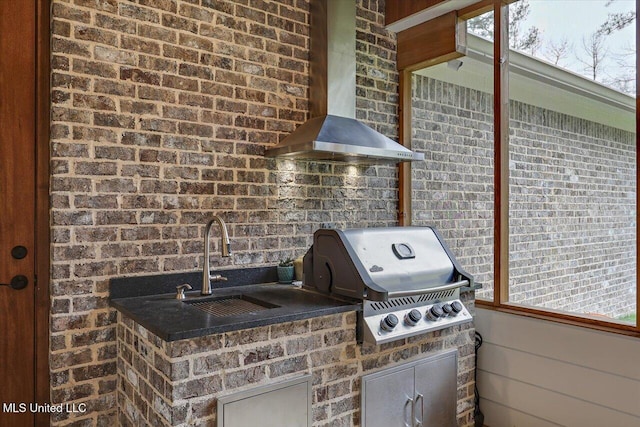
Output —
(404, 134)
(477, 9)
(396, 10)
(449, 42)
(402, 14)
(501, 153)
(501, 179)
(637, 170)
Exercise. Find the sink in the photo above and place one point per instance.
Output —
(231, 305)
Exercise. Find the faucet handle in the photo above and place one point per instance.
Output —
(218, 278)
(180, 290)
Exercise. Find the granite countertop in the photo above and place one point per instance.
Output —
(172, 319)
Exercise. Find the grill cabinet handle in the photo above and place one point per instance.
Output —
(407, 403)
(419, 408)
(448, 286)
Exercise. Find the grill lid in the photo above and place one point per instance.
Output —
(382, 263)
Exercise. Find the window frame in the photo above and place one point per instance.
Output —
(500, 300)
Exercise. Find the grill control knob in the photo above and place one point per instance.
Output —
(389, 322)
(447, 309)
(457, 307)
(434, 313)
(413, 317)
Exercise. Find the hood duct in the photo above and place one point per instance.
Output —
(333, 133)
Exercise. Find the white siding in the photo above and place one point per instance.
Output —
(533, 373)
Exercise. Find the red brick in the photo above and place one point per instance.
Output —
(181, 83)
(157, 33)
(138, 13)
(179, 23)
(95, 68)
(97, 35)
(198, 13)
(139, 45)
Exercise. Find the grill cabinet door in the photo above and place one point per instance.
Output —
(436, 390)
(277, 405)
(388, 398)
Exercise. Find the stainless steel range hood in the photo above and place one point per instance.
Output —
(333, 133)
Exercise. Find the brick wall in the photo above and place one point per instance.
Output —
(161, 113)
(573, 204)
(178, 383)
(572, 198)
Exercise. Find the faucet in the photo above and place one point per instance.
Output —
(225, 251)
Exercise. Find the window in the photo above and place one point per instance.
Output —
(569, 227)
(572, 161)
(572, 164)
(452, 124)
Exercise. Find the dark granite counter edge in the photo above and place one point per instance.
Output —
(142, 298)
(176, 336)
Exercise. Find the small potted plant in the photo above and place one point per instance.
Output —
(285, 271)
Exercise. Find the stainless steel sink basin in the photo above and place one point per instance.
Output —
(231, 305)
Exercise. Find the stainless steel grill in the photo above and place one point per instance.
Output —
(406, 277)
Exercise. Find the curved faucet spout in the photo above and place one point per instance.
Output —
(225, 251)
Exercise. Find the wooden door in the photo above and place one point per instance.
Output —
(17, 211)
